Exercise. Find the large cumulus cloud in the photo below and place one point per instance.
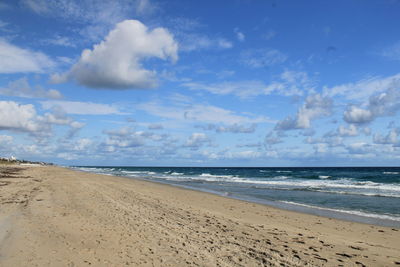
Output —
(117, 62)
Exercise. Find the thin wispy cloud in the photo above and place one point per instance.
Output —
(15, 59)
(82, 108)
(259, 58)
(22, 88)
(391, 52)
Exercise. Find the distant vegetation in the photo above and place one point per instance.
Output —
(13, 160)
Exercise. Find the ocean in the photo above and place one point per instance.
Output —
(361, 194)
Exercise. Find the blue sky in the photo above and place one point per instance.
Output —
(201, 83)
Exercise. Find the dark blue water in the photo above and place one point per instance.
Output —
(372, 193)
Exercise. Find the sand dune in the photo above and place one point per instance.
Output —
(51, 216)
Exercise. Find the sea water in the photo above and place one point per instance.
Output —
(363, 194)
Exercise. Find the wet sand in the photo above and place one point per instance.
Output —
(52, 216)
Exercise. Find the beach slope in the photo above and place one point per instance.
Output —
(53, 216)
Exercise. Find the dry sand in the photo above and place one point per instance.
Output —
(51, 216)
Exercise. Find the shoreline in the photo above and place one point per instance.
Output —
(66, 217)
(344, 215)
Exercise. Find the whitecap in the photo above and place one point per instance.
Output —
(324, 177)
(352, 212)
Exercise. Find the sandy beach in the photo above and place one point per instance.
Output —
(53, 216)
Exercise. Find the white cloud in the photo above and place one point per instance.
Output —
(123, 138)
(361, 148)
(223, 43)
(24, 118)
(38, 6)
(199, 113)
(233, 128)
(77, 125)
(239, 35)
(60, 41)
(236, 128)
(14, 116)
(354, 114)
(350, 131)
(363, 89)
(116, 63)
(21, 88)
(188, 33)
(259, 58)
(392, 52)
(181, 25)
(273, 138)
(314, 107)
(386, 103)
(82, 144)
(132, 142)
(155, 126)
(6, 139)
(248, 154)
(15, 59)
(391, 138)
(242, 155)
(290, 83)
(321, 148)
(194, 41)
(81, 108)
(196, 140)
(97, 16)
(243, 89)
(330, 140)
(144, 7)
(213, 114)
(59, 119)
(65, 60)
(258, 145)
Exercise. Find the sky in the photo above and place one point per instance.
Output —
(201, 83)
